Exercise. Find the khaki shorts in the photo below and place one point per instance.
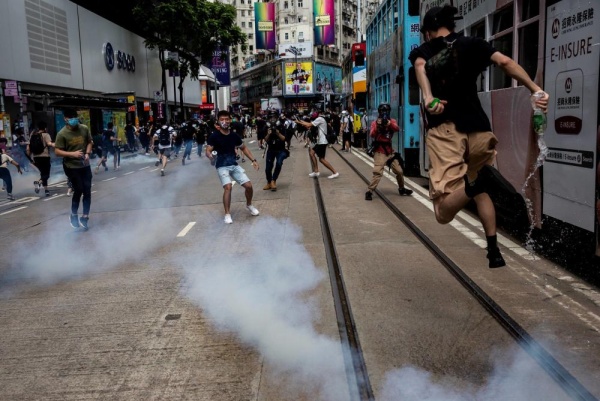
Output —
(453, 154)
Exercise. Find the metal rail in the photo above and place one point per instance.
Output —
(544, 359)
(356, 368)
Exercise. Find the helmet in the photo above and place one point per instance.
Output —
(384, 108)
(344, 112)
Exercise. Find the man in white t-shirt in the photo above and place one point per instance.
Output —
(163, 137)
(5, 172)
(320, 148)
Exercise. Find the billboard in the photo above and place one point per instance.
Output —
(219, 65)
(571, 79)
(264, 25)
(328, 79)
(296, 50)
(277, 84)
(324, 18)
(299, 78)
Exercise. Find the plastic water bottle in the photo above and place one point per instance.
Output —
(214, 158)
(539, 117)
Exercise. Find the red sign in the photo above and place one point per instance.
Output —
(146, 106)
(207, 106)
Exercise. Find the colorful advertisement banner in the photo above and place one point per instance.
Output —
(264, 25)
(328, 79)
(277, 84)
(203, 92)
(299, 78)
(219, 66)
(324, 15)
(234, 91)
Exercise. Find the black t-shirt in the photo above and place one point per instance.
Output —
(463, 109)
(237, 128)
(275, 144)
(225, 146)
(187, 132)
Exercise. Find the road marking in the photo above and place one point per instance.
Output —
(131, 172)
(13, 210)
(154, 170)
(187, 228)
(54, 197)
(58, 184)
(110, 179)
(144, 168)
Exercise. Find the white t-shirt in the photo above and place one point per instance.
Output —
(321, 124)
(4, 160)
(346, 120)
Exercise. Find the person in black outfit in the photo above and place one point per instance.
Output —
(187, 133)
(460, 142)
(276, 153)
(261, 131)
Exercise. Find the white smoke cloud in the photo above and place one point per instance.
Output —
(258, 290)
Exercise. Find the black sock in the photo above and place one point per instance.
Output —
(492, 242)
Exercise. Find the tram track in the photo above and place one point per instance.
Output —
(356, 369)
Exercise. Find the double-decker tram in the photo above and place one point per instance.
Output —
(557, 42)
(391, 34)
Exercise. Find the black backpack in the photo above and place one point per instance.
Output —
(164, 137)
(36, 144)
(331, 135)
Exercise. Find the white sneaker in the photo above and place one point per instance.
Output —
(253, 211)
(336, 175)
(228, 219)
(314, 175)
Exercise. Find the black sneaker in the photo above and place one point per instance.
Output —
(405, 191)
(156, 164)
(495, 258)
(368, 196)
(83, 221)
(75, 221)
(47, 193)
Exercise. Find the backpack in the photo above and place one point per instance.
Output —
(350, 127)
(313, 134)
(331, 135)
(442, 69)
(164, 137)
(36, 144)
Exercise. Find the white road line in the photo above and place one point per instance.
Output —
(154, 170)
(144, 168)
(54, 197)
(187, 228)
(110, 179)
(57, 184)
(13, 210)
(93, 192)
(131, 172)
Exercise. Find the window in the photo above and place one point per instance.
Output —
(251, 47)
(300, 3)
(478, 30)
(287, 36)
(243, 13)
(250, 36)
(300, 35)
(502, 31)
(528, 48)
(243, 24)
(250, 24)
(286, 21)
(299, 20)
(242, 2)
(293, 34)
(285, 5)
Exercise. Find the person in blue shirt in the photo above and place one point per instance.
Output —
(224, 142)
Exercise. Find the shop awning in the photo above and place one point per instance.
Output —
(81, 103)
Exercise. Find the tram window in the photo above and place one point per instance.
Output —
(360, 100)
(528, 48)
(413, 8)
(529, 9)
(359, 58)
(498, 79)
(478, 30)
(503, 19)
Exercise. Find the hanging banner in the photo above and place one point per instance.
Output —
(328, 79)
(277, 83)
(264, 25)
(203, 92)
(296, 50)
(219, 66)
(234, 92)
(324, 16)
(298, 78)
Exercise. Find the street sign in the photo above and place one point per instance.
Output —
(10, 84)
(11, 92)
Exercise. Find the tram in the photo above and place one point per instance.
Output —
(556, 42)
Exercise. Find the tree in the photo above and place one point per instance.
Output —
(193, 28)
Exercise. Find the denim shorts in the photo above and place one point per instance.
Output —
(227, 173)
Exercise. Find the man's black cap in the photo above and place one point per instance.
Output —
(437, 17)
